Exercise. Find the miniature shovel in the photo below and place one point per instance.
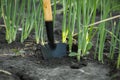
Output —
(52, 49)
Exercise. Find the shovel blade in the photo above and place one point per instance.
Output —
(57, 52)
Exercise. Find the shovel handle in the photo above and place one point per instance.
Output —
(47, 10)
(49, 22)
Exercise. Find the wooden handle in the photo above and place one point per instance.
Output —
(47, 10)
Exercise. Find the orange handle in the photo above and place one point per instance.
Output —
(47, 10)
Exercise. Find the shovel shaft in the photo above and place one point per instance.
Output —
(49, 29)
(49, 22)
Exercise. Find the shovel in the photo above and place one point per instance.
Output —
(52, 49)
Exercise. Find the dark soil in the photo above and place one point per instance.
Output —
(27, 64)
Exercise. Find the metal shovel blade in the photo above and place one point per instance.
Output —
(58, 52)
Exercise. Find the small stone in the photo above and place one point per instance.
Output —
(74, 65)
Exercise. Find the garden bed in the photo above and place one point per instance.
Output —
(24, 61)
(30, 67)
(28, 64)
